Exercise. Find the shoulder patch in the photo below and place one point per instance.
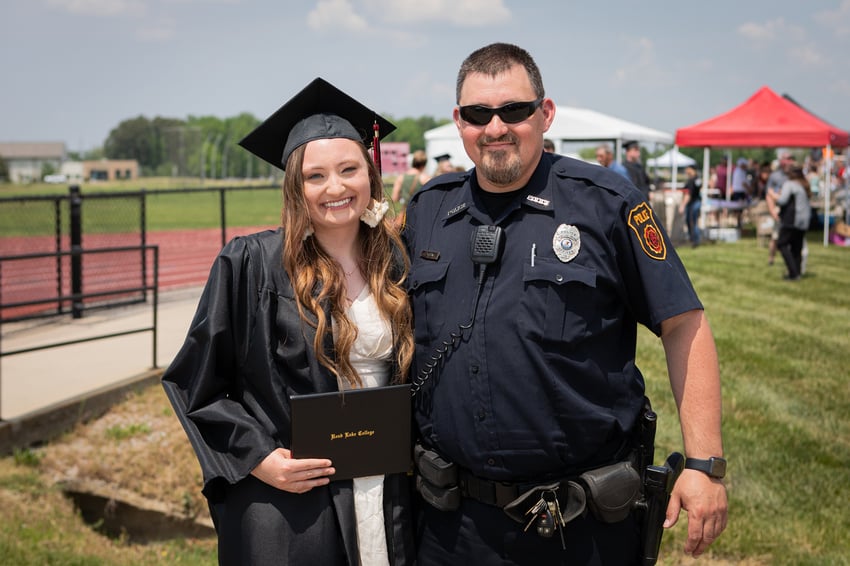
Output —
(642, 222)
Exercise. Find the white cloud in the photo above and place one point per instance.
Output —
(460, 13)
(641, 64)
(772, 30)
(336, 15)
(808, 55)
(100, 7)
(790, 37)
(397, 21)
(234, 2)
(837, 20)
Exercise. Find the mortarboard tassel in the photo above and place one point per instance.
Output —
(376, 145)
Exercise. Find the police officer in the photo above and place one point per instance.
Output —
(529, 275)
(636, 170)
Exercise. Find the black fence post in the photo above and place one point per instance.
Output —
(57, 234)
(76, 213)
(223, 211)
(143, 232)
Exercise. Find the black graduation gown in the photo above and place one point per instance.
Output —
(246, 352)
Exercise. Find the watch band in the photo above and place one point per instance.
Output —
(714, 467)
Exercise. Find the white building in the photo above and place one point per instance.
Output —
(25, 161)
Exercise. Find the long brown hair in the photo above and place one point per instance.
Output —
(315, 276)
(796, 173)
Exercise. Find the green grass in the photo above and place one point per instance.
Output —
(165, 210)
(784, 360)
(40, 526)
(126, 431)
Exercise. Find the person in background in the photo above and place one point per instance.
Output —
(548, 145)
(813, 176)
(691, 204)
(740, 187)
(774, 185)
(410, 182)
(529, 275)
(637, 172)
(444, 164)
(605, 157)
(315, 306)
(722, 173)
(793, 216)
(760, 180)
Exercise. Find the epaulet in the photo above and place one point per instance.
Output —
(445, 181)
(568, 167)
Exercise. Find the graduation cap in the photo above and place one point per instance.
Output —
(442, 157)
(319, 111)
(630, 143)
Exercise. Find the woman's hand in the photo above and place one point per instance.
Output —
(279, 469)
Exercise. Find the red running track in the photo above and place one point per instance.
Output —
(185, 257)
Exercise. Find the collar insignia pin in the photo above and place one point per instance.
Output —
(567, 242)
(536, 199)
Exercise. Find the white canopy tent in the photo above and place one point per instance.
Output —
(570, 125)
(671, 158)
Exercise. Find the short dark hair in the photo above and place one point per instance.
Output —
(497, 58)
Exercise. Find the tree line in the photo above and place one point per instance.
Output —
(206, 146)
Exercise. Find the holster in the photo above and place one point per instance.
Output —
(657, 485)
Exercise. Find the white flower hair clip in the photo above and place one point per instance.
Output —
(372, 217)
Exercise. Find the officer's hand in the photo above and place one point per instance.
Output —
(704, 500)
(279, 469)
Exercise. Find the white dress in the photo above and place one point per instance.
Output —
(371, 356)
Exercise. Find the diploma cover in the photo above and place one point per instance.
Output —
(363, 432)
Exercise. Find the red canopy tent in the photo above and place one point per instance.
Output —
(765, 120)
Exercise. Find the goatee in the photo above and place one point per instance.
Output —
(500, 167)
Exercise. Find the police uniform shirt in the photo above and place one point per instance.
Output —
(545, 382)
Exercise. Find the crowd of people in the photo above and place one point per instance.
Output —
(786, 186)
(509, 302)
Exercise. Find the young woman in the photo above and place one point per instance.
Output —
(793, 216)
(316, 306)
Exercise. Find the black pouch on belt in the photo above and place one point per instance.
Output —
(436, 479)
(436, 470)
(612, 491)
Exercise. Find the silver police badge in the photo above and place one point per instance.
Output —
(566, 242)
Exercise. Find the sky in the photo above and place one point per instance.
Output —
(72, 70)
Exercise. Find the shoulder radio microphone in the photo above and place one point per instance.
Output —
(485, 244)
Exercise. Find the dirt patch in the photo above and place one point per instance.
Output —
(132, 472)
(133, 460)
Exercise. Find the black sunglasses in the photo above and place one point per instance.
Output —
(512, 113)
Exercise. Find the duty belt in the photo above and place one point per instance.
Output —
(489, 491)
(609, 491)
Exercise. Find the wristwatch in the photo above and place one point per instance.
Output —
(714, 467)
